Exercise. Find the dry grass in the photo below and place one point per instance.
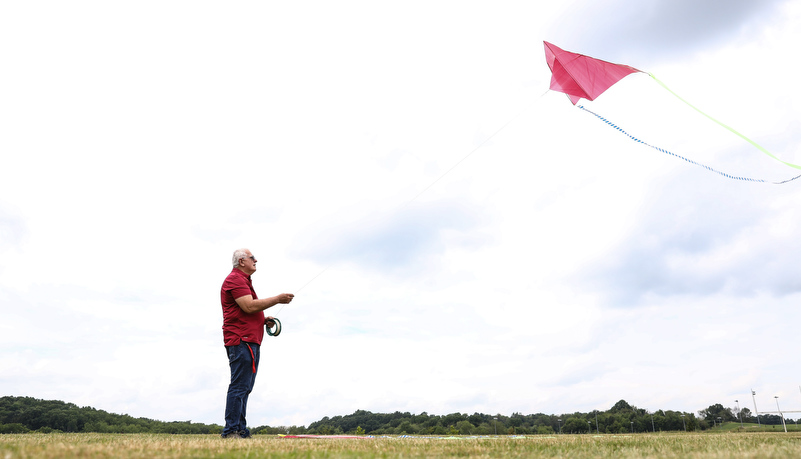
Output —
(667, 445)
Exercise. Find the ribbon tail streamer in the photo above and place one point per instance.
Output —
(747, 179)
(759, 147)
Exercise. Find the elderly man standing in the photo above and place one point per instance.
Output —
(243, 329)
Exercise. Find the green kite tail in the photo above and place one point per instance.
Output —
(763, 150)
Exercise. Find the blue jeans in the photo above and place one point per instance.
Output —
(244, 362)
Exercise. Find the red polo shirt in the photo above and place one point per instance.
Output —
(238, 325)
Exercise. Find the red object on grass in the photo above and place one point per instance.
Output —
(322, 436)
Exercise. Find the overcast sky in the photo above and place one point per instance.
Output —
(459, 238)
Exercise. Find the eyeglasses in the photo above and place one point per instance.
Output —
(252, 258)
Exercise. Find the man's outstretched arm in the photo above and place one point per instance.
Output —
(249, 305)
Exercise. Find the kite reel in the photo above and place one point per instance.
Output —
(276, 329)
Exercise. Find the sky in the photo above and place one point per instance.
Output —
(459, 238)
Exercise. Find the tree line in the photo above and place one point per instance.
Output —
(717, 413)
(621, 418)
(27, 414)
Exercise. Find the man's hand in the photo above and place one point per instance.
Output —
(269, 322)
(284, 298)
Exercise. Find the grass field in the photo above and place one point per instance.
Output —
(661, 445)
(754, 427)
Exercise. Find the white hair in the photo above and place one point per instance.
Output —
(238, 255)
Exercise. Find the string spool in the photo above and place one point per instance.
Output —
(275, 330)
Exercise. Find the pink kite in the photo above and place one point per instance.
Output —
(581, 76)
(584, 77)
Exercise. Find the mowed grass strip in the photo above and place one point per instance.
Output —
(663, 445)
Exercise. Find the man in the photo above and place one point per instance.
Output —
(243, 329)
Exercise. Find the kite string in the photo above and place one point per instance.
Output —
(429, 186)
(463, 159)
(759, 147)
(747, 179)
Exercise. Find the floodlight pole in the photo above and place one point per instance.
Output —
(596, 419)
(755, 407)
(683, 423)
(780, 412)
(560, 425)
(739, 413)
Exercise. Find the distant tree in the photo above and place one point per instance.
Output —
(47, 430)
(406, 427)
(476, 419)
(575, 425)
(691, 422)
(621, 406)
(713, 412)
(770, 419)
(746, 415)
(453, 418)
(13, 428)
(516, 420)
(465, 428)
(618, 427)
(420, 419)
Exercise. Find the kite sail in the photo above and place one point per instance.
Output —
(581, 76)
(584, 77)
